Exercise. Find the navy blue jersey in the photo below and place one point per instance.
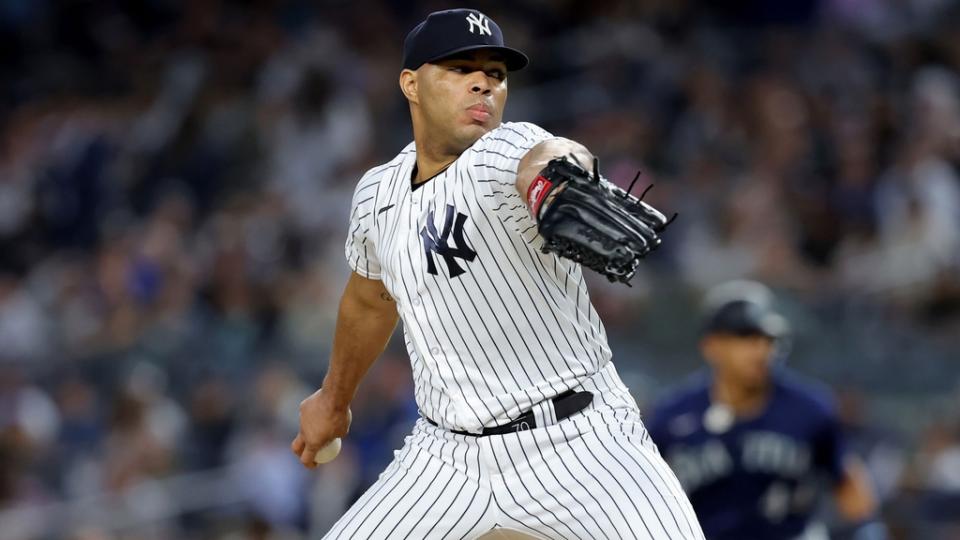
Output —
(758, 477)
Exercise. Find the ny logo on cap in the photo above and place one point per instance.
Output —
(481, 22)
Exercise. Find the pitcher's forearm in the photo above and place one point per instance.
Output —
(361, 336)
(538, 157)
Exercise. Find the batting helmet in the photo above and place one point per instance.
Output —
(742, 308)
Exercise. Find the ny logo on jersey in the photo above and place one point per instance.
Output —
(437, 243)
(479, 21)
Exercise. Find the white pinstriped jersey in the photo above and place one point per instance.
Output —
(492, 325)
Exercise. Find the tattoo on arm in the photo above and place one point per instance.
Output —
(386, 297)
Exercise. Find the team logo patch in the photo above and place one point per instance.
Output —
(480, 22)
(434, 242)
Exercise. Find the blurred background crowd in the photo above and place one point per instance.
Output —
(175, 182)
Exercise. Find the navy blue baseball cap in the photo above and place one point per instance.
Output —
(446, 33)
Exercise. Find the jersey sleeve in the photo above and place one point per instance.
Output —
(494, 166)
(360, 249)
(830, 446)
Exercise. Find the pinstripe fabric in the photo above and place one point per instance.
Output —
(595, 475)
(513, 326)
(494, 328)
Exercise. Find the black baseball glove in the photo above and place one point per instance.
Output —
(591, 221)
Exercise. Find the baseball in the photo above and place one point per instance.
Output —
(328, 452)
(332, 449)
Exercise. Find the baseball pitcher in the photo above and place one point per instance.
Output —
(475, 236)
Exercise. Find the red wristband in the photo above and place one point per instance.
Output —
(536, 193)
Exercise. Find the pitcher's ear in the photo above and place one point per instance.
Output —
(408, 85)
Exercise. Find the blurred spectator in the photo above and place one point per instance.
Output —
(943, 473)
(28, 425)
(23, 324)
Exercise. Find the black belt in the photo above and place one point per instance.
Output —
(565, 405)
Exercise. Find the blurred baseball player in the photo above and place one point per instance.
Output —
(474, 236)
(753, 445)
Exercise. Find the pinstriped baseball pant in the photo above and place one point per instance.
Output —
(596, 474)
